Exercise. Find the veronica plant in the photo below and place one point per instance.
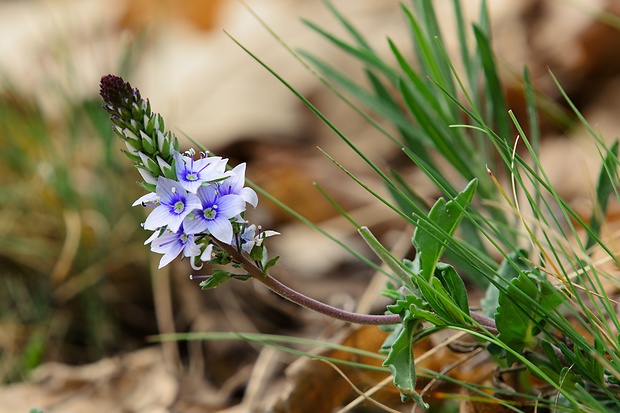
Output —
(194, 198)
(198, 208)
(536, 292)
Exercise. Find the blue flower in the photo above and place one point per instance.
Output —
(234, 185)
(214, 214)
(171, 244)
(254, 236)
(175, 203)
(193, 173)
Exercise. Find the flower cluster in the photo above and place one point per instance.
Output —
(205, 199)
(195, 198)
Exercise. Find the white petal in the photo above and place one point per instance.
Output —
(249, 196)
(150, 198)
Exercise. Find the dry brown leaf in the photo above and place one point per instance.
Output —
(315, 386)
(136, 382)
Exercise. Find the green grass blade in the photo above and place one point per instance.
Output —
(607, 181)
(494, 88)
(380, 107)
(359, 37)
(365, 55)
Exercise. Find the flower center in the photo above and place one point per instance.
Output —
(191, 177)
(179, 206)
(210, 213)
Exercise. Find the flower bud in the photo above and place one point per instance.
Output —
(133, 158)
(148, 177)
(147, 143)
(150, 165)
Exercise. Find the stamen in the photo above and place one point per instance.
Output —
(204, 167)
(195, 277)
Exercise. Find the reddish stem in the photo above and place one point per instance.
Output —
(303, 300)
(282, 290)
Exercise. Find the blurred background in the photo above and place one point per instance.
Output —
(80, 293)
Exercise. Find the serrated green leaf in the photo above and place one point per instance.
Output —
(589, 365)
(442, 221)
(390, 339)
(551, 355)
(416, 307)
(401, 362)
(524, 304)
(442, 304)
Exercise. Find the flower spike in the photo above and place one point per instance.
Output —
(193, 201)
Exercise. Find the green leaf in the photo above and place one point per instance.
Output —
(270, 263)
(399, 269)
(218, 277)
(401, 362)
(392, 292)
(552, 357)
(446, 311)
(454, 285)
(510, 268)
(416, 307)
(431, 233)
(607, 180)
(522, 309)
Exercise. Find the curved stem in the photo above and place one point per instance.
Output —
(300, 299)
(296, 297)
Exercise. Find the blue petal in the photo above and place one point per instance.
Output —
(221, 228)
(195, 223)
(165, 189)
(230, 206)
(207, 195)
(168, 244)
(158, 218)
